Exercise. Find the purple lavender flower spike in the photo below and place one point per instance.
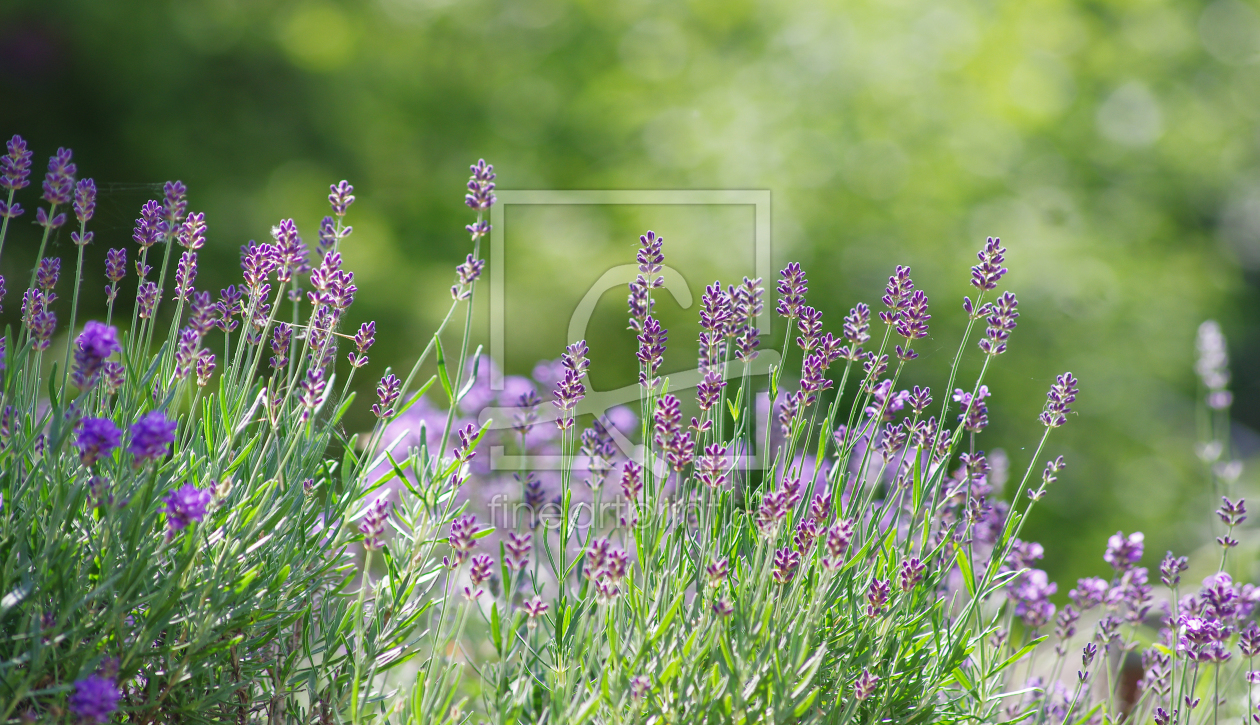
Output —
(865, 685)
(709, 390)
(809, 322)
(185, 274)
(856, 331)
(289, 251)
(792, 288)
(463, 537)
(97, 438)
(312, 388)
(202, 314)
(1058, 401)
(1171, 568)
(877, 597)
(985, 276)
(387, 392)
(1123, 552)
(975, 412)
(192, 233)
(1000, 324)
(518, 548)
(186, 352)
(15, 167)
(96, 343)
(95, 699)
(480, 194)
(205, 367)
(340, 196)
(257, 263)
(47, 273)
(912, 324)
(113, 373)
(363, 340)
(152, 226)
(10, 211)
(116, 265)
(910, 574)
(43, 325)
(1212, 365)
(897, 295)
(651, 351)
(478, 574)
(812, 379)
(147, 299)
(59, 181)
(785, 563)
(467, 273)
(373, 524)
(175, 201)
(184, 506)
(85, 200)
(151, 436)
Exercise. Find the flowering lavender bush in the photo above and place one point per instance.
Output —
(824, 545)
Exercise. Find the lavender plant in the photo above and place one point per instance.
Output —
(187, 532)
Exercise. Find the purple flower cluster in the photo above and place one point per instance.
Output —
(192, 233)
(184, 506)
(1058, 401)
(185, 274)
(96, 343)
(518, 547)
(174, 201)
(151, 436)
(152, 226)
(85, 203)
(387, 392)
(97, 438)
(569, 389)
(605, 566)
(373, 524)
(46, 275)
(15, 166)
(651, 260)
(1212, 365)
(1001, 321)
(986, 275)
(463, 537)
(95, 698)
(480, 196)
(341, 196)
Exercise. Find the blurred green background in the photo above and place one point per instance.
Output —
(1112, 145)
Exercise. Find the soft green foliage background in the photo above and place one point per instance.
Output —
(1112, 145)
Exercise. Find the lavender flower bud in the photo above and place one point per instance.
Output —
(518, 548)
(651, 351)
(897, 295)
(387, 392)
(15, 166)
(910, 574)
(527, 412)
(192, 233)
(151, 436)
(912, 324)
(1249, 640)
(463, 536)
(985, 276)
(116, 265)
(312, 388)
(1171, 568)
(631, 480)
(1088, 653)
(373, 524)
(975, 413)
(42, 326)
(1058, 401)
(59, 181)
(806, 534)
(340, 196)
(96, 343)
(1000, 324)
(809, 323)
(712, 467)
(717, 571)
(85, 200)
(205, 367)
(534, 608)
(95, 698)
(1213, 365)
(147, 299)
(709, 390)
(45, 219)
(723, 607)
(785, 563)
(327, 235)
(151, 227)
(185, 274)
(47, 273)
(877, 597)
(480, 194)
(175, 200)
(184, 506)
(479, 573)
(97, 438)
(639, 687)
(10, 211)
(919, 399)
(1232, 514)
(792, 288)
(865, 685)
(1124, 552)
(281, 340)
